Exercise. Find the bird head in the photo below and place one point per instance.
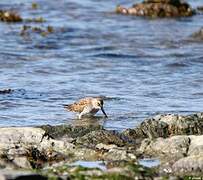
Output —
(98, 104)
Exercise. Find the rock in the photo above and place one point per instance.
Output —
(42, 147)
(166, 126)
(116, 163)
(200, 8)
(22, 162)
(36, 147)
(20, 175)
(69, 131)
(6, 91)
(87, 154)
(17, 143)
(182, 155)
(5, 163)
(27, 30)
(147, 129)
(198, 35)
(18, 138)
(36, 20)
(9, 16)
(101, 136)
(172, 148)
(158, 8)
(117, 154)
(196, 145)
(192, 166)
(35, 5)
(102, 146)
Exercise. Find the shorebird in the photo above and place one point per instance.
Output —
(88, 106)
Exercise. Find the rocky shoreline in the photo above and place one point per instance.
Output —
(158, 8)
(50, 151)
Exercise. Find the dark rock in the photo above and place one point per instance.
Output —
(200, 8)
(35, 5)
(9, 16)
(6, 91)
(36, 20)
(100, 136)
(69, 131)
(28, 30)
(158, 8)
(167, 125)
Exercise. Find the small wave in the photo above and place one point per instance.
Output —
(177, 65)
(114, 55)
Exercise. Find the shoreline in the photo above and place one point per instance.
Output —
(175, 141)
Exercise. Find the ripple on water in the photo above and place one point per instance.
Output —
(141, 67)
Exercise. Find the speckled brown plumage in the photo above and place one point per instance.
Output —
(88, 105)
(79, 105)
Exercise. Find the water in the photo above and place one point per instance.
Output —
(143, 66)
(149, 162)
(90, 164)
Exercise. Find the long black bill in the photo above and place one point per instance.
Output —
(102, 109)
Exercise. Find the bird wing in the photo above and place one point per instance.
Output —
(78, 106)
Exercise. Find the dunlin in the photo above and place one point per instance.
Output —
(88, 106)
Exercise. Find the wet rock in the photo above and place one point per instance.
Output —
(28, 30)
(166, 126)
(69, 131)
(200, 8)
(5, 91)
(35, 5)
(198, 35)
(158, 8)
(101, 136)
(147, 129)
(10, 16)
(35, 20)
